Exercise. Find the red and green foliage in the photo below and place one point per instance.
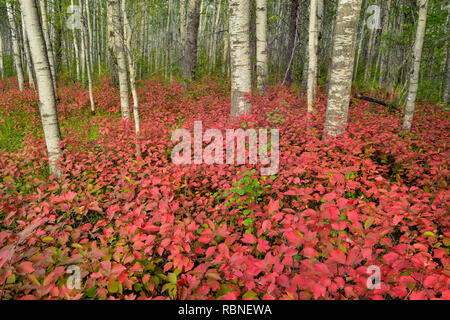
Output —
(140, 227)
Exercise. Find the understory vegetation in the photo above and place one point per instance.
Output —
(140, 227)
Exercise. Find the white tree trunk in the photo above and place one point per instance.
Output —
(446, 93)
(129, 46)
(213, 52)
(342, 66)
(75, 46)
(48, 43)
(49, 115)
(87, 54)
(414, 76)
(121, 58)
(28, 61)
(312, 53)
(182, 26)
(239, 16)
(2, 68)
(262, 65)
(15, 44)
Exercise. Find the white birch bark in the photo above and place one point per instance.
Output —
(342, 66)
(312, 53)
(28, 61)
(446, 88)
(48, 111)
(414, 76)
(129, 45)
(76, 52)
(86, 53)
(239, 15)
(213, 53)
(48, 43)
(262, 65)
(446, 92)
(384, 47)
(183, 26)
(121, 58)
(15, 44)
(2, 68)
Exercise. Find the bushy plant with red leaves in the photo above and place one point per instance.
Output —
(140, 227)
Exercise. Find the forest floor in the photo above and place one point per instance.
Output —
(138, 226)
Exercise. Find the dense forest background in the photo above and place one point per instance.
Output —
(95, 93)
(159, 29)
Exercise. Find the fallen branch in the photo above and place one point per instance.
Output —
(380, 102)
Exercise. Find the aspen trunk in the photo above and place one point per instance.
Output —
(261, 45)
(26, 50)
(384, 55)
(15, 44)
(213, 54)
(2, 68)
(87, 55)
(112, 55)
(190, 52)
(342, 66)
(48, 44)
(182, 26)
(312, 53)
(446, 93)
(292, 36)
(241, 77)
(129, 45)
(414, 76)
(121, 58)
(45, 84)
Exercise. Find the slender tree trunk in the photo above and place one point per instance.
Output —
(446, 91)
(168, 42)
(49, 114)
(241, 76)
(90, 39)
(213, 54)
(261, 45)
(342, 66)
(112, 55)
(312, 53)
(87, 55)
(121, 58)
(2, 68)
(368, 66)
(226, 69)
(384, 46)
(15, 44)
(183, 31)
(48, 43)
(414, 76)
(190, 52)
(56, 39)
(292, 34)
(28, 62)
(129, 45)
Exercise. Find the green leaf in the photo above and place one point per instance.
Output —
(113, 287)
(250, 294)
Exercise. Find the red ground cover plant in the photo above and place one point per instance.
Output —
(140, 227)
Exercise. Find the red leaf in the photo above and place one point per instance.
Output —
(390, 257)
(25, 267)
(248, 238)
(338, 256)
(309, 252)
(293, 238)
